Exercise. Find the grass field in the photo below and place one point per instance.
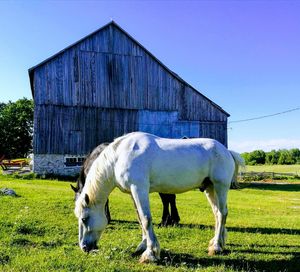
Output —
(38, 231)
(275, 168)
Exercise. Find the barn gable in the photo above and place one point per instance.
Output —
(108, 84)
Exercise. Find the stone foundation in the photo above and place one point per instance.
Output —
(53, 164)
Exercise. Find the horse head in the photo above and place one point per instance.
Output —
(91, 221)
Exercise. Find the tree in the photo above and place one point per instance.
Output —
(16, 126)
(295, 153)
(285, 157)
(257, 157)
(272, 157)
(245, 156)
(282, 156)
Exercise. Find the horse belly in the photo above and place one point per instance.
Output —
(177, 176)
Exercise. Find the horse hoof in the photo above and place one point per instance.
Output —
(175, 223)
(165, 222)
(214, 250)
(148, 257)
(211, 242)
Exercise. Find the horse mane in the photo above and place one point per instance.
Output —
(101, 172)
(91, 157)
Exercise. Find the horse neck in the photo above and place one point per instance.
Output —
(99, 185)
(104, 190)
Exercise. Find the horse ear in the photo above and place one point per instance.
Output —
(86, 199)
(74, 188)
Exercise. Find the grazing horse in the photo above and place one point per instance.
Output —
(140, 163)
(168, 218)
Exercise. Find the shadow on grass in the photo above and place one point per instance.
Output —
(247, 229)
(134, 224)
(278, 257)
(270, 246)
(255, 251)
(272, 187)
(265, 230)
(169, 258)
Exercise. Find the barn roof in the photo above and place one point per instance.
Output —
(114, 24)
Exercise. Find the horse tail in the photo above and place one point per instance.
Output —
(239, 162)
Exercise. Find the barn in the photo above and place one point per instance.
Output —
(103, 86)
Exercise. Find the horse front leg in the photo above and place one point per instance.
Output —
(143, 244)
(141, 199)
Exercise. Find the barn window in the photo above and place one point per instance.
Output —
(73, 161)
(80, 160)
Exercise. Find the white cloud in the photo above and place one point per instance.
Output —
(266, 145)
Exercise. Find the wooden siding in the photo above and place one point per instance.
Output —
(94, 75)
(77, 130)
(166, 124)
(213, 130)
(103, 87)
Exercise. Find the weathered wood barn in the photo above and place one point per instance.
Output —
(103, 86)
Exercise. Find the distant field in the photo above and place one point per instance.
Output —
(274, 168)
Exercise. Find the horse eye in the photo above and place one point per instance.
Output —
(84, 220)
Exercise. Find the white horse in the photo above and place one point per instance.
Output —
(140, 163)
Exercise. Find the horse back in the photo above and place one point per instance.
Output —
(169, 165)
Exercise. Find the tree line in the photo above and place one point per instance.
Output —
(282, 156)
(16, 128)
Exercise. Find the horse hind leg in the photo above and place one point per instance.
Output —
(174, 212)
(166, 217)
(169, 219)
(141, 199)
(222, 212)
(210, 194)
(217, 197)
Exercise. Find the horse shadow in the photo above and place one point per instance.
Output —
(172, 259)
(227, 259)
(259, 230)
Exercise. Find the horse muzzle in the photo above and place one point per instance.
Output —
(89, 247)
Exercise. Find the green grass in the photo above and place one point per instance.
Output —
(38, 231)
(274, 168)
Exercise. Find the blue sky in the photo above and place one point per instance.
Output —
(244, 55)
